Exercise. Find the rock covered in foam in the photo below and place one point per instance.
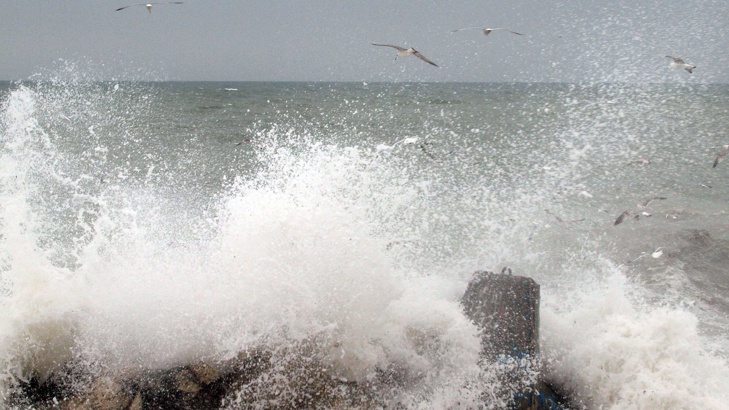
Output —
(505, 308)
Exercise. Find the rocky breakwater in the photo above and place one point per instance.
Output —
(505, 308)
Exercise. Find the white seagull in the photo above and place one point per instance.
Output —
(721, 155)
(679, 64)
(487, 30)
(148, 5)
(628, 213)
(637, 214)
(404, 52)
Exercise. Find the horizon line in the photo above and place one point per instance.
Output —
(377, 82)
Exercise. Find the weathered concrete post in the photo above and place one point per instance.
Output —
(506, 310)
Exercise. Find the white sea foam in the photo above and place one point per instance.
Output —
(611, 350)
(291, 256)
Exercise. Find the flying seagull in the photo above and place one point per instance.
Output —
(721, 155)
(628, 213)
(680, 64)
(428, 153)
(637, 214)
(625, 215)
(403, 141)
(656, 254)
(404, 52)
(487, 30)
(649, 200)
(148, 5)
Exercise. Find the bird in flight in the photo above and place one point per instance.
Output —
(148, 5)
(404, 52)
(649, 200)
(625, 215)
(637, 214)
(721, 155)
(487, 30)
(679, 64)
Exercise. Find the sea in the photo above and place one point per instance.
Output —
(145, 225)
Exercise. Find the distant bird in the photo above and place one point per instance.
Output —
(679, 64)
(625, 215)
(404, 52)
(403, 141)
(252, 142)
(637, 214)
(649, 200)
(409, 140)
(721, 155)
(655, 254)
(248, 140)
(430, 155)
(437, 158)
(586, 194)
(487, 30)
(628, 213)
(148, 5)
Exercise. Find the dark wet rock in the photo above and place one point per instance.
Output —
(136, 403)
(506, 310)
(107, 393)
(205, 373)
(201, 385)
(293, 377)
(298, 376)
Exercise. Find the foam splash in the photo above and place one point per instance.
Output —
(610, 349)
(295, 255)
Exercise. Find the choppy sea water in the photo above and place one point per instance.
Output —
(146, 225)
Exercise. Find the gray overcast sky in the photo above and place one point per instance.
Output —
(328, 40)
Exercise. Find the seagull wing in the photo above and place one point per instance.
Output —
(467, 28)
(428, 153)
(655, 198)
(560, 220)
(422, 57)
(398, 48)
(512, 32)
(131, 5)
(145, 4)
(676, 60)
(721, 156)
(622, 217)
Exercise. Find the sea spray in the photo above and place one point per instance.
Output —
(609, 349)
(297, 256)
(139, 237)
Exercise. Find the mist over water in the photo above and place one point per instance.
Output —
(137, 234)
